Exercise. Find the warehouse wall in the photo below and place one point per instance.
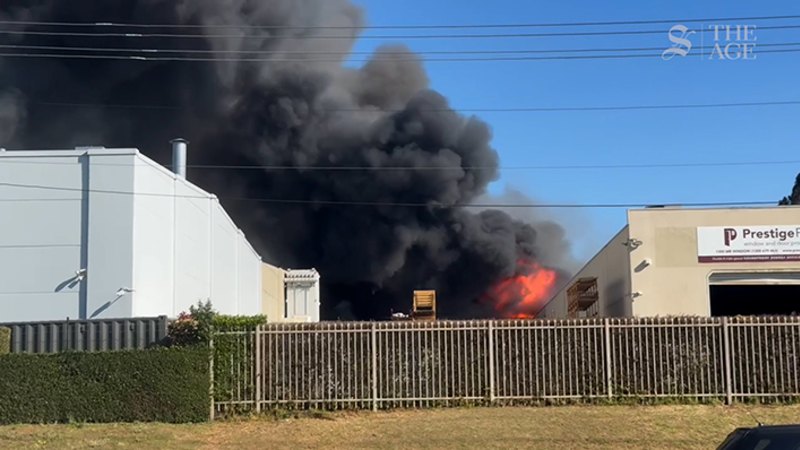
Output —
(224, 261)
(39, 254)
(676, 283)
(249, 299)
(153, 237)
(193, 249)
(273, 293)
(188, 250)
(171, 243)
(110, 234)
(72, 198)
(612, 269)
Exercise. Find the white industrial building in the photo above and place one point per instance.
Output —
(302, 295)
(290, 296)
(109, 233)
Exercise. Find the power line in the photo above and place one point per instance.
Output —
(369, 53)
(434, 168)
(463, 110)
(542, 167)
(354, 36)
(394, 27)
(306, 60)
(432, 205)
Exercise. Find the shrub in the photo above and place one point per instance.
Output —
(184, 331)
(164, 385)
(233, 356)
(198, 325)
(5, 340)
(223, 323)
(232, 346)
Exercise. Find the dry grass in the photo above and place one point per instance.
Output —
(584, 427)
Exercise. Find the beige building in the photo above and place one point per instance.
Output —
(691, 262)
(273, 293)
(290, 295)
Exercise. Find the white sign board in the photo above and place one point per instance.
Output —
(748, 244)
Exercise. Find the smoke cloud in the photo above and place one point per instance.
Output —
(279, 108)
(553, 248)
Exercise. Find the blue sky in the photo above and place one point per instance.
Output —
(620, 137)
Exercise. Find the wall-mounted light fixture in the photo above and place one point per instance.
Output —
(124, 290)
(632, 243)
(643, 265)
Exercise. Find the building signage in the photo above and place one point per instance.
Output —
(748, 244)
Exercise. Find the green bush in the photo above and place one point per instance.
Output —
(233, 347)
(233, 356)
(201, 322)
(163, 385)
(223, 323)
(5, 340)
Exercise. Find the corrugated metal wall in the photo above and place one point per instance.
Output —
(87, 335)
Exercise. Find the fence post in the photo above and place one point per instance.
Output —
(607, 355)
(726, 347)
(258, 372)
(211, 377)
(374, 354)
(491, 361)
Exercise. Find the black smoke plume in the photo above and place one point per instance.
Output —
(264, 101)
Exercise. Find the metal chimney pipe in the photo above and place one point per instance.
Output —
(179, 148)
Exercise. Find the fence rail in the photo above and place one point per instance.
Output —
(418, 364)
(86, 335)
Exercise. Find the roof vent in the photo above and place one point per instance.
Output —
(179, 151)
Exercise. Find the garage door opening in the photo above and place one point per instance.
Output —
(755, 294)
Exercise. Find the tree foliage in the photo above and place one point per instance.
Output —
(794, 198)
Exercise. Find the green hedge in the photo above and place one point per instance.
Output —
(224, 323)
(233, 356)
(161, 385)
(233, 347)
(5, 340)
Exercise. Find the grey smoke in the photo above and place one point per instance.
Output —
(297, 114)
(554, 248)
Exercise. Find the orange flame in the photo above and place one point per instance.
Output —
(522, 316)
(524, 294)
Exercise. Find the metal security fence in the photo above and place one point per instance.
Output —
(87, 335)
(764, 358)
(546, 360)
(419, 364)
(674, 358)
